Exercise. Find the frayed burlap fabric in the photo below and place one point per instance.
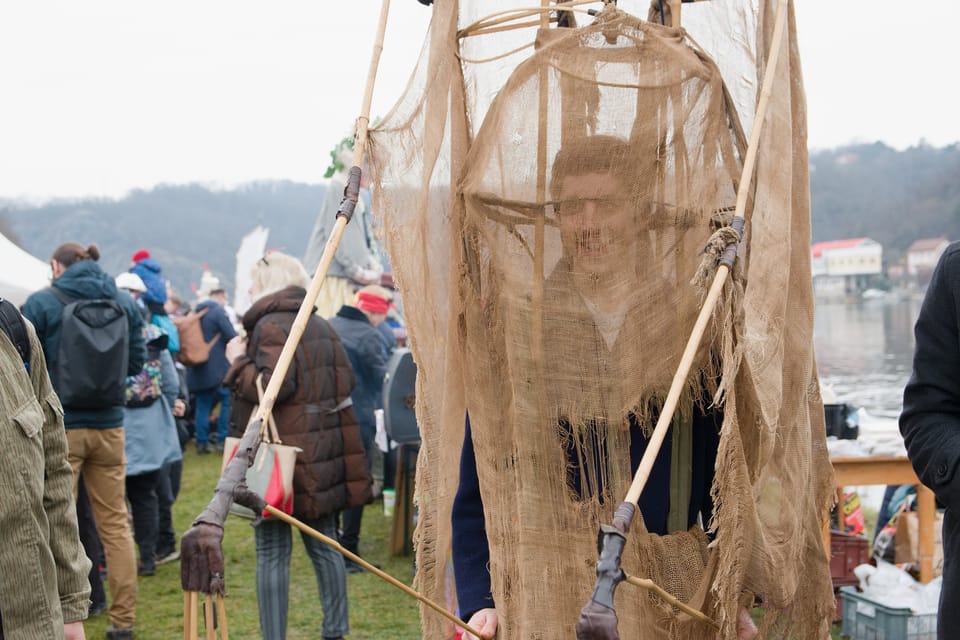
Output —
(546, 198)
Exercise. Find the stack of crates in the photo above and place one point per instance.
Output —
(864, 619)
(846, 552)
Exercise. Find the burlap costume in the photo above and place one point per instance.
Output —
(519, 316)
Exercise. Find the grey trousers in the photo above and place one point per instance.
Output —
(274, 546)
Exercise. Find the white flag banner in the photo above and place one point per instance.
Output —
(252, 248)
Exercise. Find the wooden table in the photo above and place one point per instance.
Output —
(852, 471)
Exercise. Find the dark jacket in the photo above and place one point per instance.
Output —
(312, 409)
(366, 348)
(86, 280)
(471, 555)
(209, 375)
(930, 422)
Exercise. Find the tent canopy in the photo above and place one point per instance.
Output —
(20, 273)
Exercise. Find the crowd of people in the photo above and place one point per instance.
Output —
(108, 380)
(122, 378)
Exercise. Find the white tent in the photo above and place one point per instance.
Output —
(20, 273)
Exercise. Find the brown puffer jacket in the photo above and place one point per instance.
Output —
(331, 472)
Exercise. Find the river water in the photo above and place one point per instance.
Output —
(865, 355)
(865, 352)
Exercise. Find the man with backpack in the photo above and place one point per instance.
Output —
(92, 335)
(204, 353)
(41, 547)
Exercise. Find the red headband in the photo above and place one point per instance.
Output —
(372, 303)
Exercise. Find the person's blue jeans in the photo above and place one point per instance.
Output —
(204, 401)
(274, 546)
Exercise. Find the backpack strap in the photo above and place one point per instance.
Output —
(15, 327)
(61, 295)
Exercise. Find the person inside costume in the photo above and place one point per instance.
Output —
(600, 217)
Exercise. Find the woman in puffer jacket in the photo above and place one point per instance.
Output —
(312, 412)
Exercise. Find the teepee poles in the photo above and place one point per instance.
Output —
(598, 618)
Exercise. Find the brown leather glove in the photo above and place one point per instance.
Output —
(201, 558)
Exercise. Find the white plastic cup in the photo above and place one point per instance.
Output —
(389, 501)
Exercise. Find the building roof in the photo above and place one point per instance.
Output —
(927, 244)
(829, 245)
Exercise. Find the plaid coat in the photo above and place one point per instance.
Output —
(43, 569)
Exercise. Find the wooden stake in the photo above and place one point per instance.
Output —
(208, 617)
(693, 344)
(186, 615)
(191, 601)
(330, 542)
(222, 618)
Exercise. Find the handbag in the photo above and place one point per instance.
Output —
(271, 474)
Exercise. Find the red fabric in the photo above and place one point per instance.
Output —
(372, 303)
(142, 254)
(274, 495)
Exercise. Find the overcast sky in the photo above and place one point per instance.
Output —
(101, 96)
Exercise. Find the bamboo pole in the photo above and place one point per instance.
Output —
(306, 308)
(330, 542)
(205, 536)
(693, 344)
(675, 13)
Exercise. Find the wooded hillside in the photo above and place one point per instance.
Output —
(893, 197)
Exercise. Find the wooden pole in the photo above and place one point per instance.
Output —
(306, 307)
(190, 631)
(222, 618)
(330, 542)
(208, 617)
(650, 585)
(693, 344)
(204, 538)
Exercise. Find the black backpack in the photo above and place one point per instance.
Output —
(94, 353)
(16, 329)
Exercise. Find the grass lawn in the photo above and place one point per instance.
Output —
(378, 611)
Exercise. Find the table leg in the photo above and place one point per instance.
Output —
(926, 516)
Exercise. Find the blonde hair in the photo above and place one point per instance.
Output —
(276, 271)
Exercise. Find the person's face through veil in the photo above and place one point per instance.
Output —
(596, 224)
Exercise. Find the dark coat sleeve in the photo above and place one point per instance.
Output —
(471, 549)
(930, 422)
(374, 358)
(224, 326)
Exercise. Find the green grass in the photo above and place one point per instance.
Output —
(378, 610)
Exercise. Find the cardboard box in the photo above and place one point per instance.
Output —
(908, 536)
